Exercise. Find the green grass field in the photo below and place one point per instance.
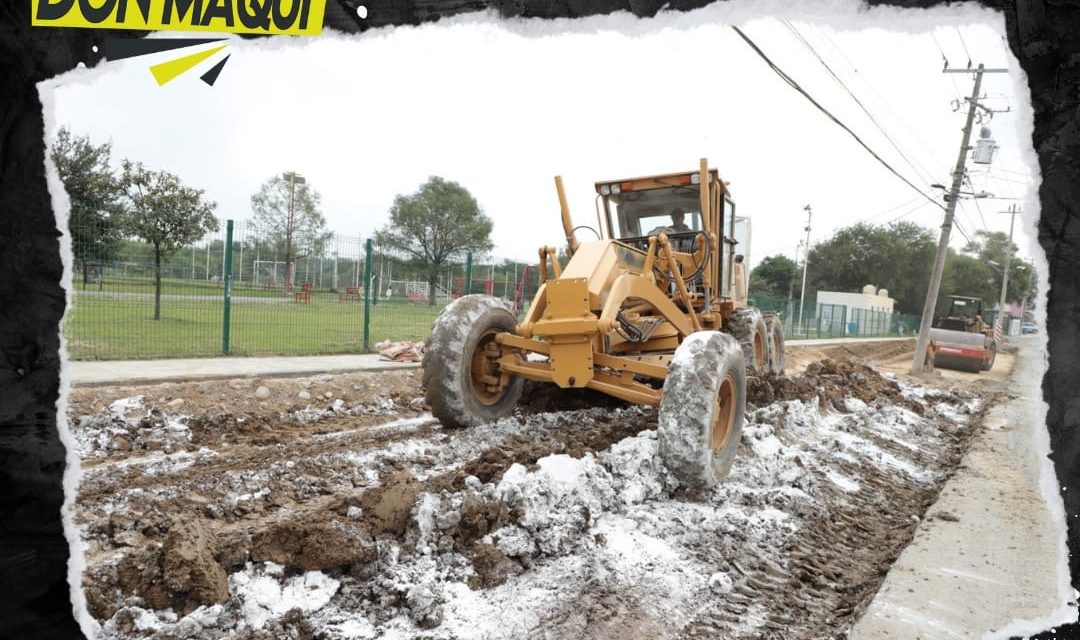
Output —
(114, 322)
(117, 325)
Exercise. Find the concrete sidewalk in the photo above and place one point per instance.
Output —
(92, 373)
(989, 558)
(102, 372)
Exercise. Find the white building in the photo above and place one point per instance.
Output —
(866, 313)
(871, 299)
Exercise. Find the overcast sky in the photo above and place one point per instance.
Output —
(503, 106)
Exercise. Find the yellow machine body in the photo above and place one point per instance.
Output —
(611, 319)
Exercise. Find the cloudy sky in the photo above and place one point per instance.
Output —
(503, 106)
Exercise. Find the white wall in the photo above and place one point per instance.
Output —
(856, 300)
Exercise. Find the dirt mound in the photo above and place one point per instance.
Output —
(314, 546)
(596, 433)
(180, 572)
(832, 383)
(492, 567)
(386, 508)
(544, 397)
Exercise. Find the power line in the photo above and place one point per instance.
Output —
(963, 44)
(795, 85)
(894, 208)
(960, 227)
(1005, 179)
(930, 153)
(944, 58)
(907, 213)
(978, 208)
(922, 173)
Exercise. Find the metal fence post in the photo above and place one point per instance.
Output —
(468, 274)
(367, 295)
(227, 273)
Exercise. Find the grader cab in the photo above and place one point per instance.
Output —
(654, 311)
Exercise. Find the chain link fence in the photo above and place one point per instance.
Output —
(246, 290)
(835, 320)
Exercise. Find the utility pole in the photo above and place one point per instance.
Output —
(1005, 273)
(919, 360)
(805, 261)
(791, 282)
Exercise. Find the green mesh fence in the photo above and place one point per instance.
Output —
(289, 296)
(835, 320)
(326, 294)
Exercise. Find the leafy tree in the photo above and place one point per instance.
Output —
(773, 276)
(94, 192)
(288, 209)
(165, 213)
(994, 249)
(966, 275)
(436, 224)
(898, 257)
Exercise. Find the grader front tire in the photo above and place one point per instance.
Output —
(459, 364)
(702, 410)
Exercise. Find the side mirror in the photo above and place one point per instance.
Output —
(738, 259)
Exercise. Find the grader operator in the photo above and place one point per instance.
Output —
(651, 312)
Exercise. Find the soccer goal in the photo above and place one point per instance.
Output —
(270, 272)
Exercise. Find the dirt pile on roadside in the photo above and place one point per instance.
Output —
(833, 383)
(175, 567)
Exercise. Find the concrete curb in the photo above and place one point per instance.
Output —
(103, 373)
(116, 372)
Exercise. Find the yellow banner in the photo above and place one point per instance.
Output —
(286, 17)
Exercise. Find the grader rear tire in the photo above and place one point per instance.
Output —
(458, 363)
(748, 327)
(774, 331)
(989, 364)
(702, 409)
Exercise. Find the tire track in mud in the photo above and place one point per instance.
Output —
(105, 478)
(815, 582)
(828, 572)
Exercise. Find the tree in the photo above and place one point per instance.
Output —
(966, 275)
(288, 209)
(165, 213)
(995, 250)
(898, 257)
(94, 192)
(436, 224)
(773, 276)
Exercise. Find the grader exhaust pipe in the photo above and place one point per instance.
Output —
(568, 225)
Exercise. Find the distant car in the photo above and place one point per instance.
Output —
(1028, 328)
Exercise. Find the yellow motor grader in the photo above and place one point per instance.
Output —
(653, 312)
